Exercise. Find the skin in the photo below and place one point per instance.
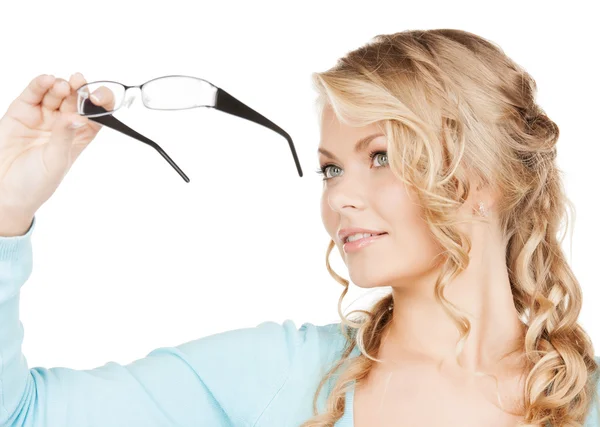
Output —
(37, 147)
(418, 348)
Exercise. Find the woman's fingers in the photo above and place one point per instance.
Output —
(101, 96)
(104, 97)
(54, 97)
(69, 103)
(37, 89)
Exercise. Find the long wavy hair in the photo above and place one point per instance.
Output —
(453, 105)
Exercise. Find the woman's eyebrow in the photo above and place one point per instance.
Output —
(361, 145)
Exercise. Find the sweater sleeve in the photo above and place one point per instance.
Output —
(593, 418)
(226, 379)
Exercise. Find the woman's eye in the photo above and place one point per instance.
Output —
(323, 170)
(382, 153)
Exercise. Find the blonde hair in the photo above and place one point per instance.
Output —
(452, 106)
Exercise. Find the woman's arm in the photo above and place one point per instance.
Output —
(225, 379)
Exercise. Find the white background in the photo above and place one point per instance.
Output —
(128, 257)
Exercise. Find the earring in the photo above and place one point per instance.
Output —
(482, 210)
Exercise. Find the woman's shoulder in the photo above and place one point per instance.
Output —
(249, 370)
(319, 343)
(271, 342)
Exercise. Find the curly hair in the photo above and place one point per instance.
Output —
(453, 105)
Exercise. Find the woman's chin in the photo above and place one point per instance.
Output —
(366, 281)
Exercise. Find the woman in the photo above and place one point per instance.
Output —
(440, 180)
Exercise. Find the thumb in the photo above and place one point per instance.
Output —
(58, 150)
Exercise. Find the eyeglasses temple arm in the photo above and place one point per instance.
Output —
(112, 122)
(228, 104)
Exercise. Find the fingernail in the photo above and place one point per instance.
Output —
(76, 125)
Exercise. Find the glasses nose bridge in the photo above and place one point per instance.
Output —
(129, 95)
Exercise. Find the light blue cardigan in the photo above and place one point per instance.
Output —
(263, 376)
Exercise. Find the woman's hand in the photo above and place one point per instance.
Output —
(38, 146)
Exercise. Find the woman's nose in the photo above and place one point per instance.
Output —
(349, 195)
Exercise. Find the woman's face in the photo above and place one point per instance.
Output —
(360, 191)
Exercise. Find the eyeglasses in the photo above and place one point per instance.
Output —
(173, 92)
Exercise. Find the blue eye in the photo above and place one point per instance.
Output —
(323, 169)
(375, 153)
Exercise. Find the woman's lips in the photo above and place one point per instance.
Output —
(356, 245)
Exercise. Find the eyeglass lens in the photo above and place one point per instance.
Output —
(165, 93)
